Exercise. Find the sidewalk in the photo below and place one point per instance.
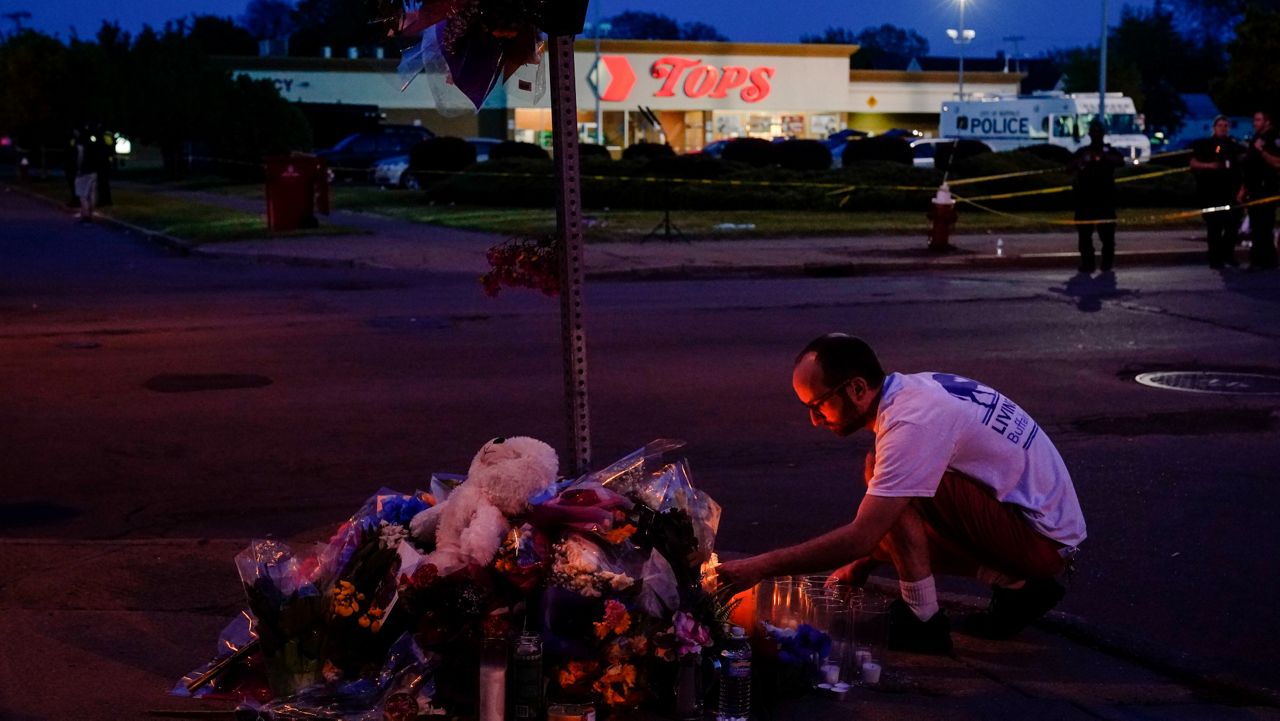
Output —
(402, 245)
(101, 630)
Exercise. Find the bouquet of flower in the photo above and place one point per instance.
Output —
(523, 263)
(607, 567)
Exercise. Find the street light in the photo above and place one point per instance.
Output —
(598, 29)
(961, 37)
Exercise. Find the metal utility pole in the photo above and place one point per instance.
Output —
(1102, 69)
(962, 36)
(564, 118)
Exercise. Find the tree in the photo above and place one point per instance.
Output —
(1151, 60)
(701, 31)
(1252, 83)
(639, 25)
(213, 35)
(886, 45)
(1215, 19)
(832, 36)
(35, 78)
(337, 24)
(268, 19)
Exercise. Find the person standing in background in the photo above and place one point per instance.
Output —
(1094, 191)
(1260, 187)
(1215, 163)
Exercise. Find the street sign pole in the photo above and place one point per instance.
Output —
(564, 128)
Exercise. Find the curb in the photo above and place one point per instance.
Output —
(1125, 646)
(1061, 261)
(844, 269)
(180, 246)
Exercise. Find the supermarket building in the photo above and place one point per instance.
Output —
(697, 91)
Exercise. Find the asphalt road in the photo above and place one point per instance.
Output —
(355, 379)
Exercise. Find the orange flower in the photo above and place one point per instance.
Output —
(618, 535)
(616, 620)
(575, 672)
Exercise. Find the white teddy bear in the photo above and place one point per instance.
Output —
(470, 524)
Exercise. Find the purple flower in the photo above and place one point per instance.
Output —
(693, 636)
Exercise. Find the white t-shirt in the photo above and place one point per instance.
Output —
(930, 422)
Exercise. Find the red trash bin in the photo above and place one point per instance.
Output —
(297, 186)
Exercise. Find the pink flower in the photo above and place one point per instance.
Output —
(692, 635)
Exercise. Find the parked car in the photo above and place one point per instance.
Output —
(391, 172)
(355, 155)
(925, 150)
(838, 141)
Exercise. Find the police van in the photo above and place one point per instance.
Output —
(1009, 122)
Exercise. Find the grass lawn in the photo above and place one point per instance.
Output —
(182, 218)
(611, 225)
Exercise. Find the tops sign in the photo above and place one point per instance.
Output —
(710, 81)
(684, 77)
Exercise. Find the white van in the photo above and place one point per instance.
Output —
(1010, 122)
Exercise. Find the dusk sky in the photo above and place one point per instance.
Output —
(1041, 22)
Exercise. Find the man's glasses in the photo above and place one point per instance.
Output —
(815, 405)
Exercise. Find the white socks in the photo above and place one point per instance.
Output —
(921, 596)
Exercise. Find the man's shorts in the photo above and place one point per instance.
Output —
(968, 528)
(87, 186)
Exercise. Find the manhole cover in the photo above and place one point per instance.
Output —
(1257, 384)
(190, 383)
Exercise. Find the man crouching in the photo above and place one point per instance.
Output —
(962, 482)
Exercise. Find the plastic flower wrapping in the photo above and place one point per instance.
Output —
(473, 46)
(605, 568)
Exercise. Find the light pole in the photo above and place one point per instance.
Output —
(962, 37)
(1102, 70)
(598, 29)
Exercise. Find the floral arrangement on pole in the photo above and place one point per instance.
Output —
(390, 613)
(479, 43)
(532, 263)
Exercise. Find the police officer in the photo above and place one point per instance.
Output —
(1262, 182)
(1215, 162)
(1095, 197)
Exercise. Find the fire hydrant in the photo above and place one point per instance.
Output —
(942, 219)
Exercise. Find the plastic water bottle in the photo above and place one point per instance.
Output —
(525, 689)
(735, 678)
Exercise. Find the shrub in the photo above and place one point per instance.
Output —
(756, 152)
(948, 154)
(518, 182)
(509, 149)
(441, 154)
(802, 155)
(645, 151)
(1046, 151)
(693, 167)
(881, 148)
(594, 152)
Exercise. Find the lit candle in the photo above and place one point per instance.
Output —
(871, 672)
(831, 673)
(744, 614)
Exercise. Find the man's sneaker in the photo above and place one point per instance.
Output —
(910, 634)
(1013, 609)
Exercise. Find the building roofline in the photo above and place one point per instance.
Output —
(699, 47)
(931, 76)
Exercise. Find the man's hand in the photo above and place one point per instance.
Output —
(741, 574)
(855, 574)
